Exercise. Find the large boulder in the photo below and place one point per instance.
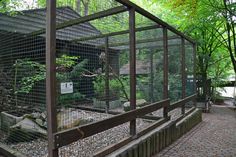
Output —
(69, 118)
(26, 130)
(34, 125)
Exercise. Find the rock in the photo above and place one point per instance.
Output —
(139, 103)
(67, 119)
(39, 122)
(43, 115)
(89, 119)
(25, 130)
(36, 115)
(8, 120)
(70, 118)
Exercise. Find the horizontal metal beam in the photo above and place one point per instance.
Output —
(68, 136)
(181, 102)
(154, 18)
(142, 41)
(116, 33)
(155, 47)
(84, 19)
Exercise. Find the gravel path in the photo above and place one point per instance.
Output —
(214, 137)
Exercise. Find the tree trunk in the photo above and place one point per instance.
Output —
(86, 6)
(232, 51)
(204, 85)
(78, 6)
(86, 9)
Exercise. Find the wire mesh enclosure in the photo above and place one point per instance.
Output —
(74, 82)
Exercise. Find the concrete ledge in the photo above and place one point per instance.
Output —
(159, 138)
(8, 152)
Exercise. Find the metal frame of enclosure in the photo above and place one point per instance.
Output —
(62, 138)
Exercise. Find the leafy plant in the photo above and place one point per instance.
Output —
(99, 87)
(28, 73)
(33, 71)
(67, 61)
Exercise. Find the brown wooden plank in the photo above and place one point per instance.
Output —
(166, 69)
(144, 147)
(140, 149)
(107, 78)
(153, 126)
(150, 117)
(84, 19)
(148, 147)
(132, 58)
(51, 76)
(157, 142)
(135, 151)
(113, 147)
(117, 33)
(154, 18)
(183, 72)
(130, 152)
(142, 41)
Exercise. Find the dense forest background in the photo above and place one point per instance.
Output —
(210, 22)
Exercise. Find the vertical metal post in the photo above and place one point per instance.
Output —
(132, 38)
(194, 71)
(166, 69)
(51, 76)
(107, 74)
(152, 76)
(183, 65)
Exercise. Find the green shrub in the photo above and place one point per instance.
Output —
(99, 87)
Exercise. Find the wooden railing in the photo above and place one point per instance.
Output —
(71, 135)
(181, 102)
(68, 136)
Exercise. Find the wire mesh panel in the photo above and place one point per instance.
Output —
(22, 80)
(88, 78)
(98, 44)
(189, 61)
(175, 75)
(189, 55)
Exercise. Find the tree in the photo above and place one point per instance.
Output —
(190, 17)
(225, 10)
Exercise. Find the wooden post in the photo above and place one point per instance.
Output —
(194, 71)
(51, 76)
(166, 69)
(107, 74)
(152, 76)
(183, 73)
(132, 38)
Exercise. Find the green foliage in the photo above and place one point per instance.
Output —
(30, 73)
(67, 99)
(78, 69)
(67, 61)
(99, 87)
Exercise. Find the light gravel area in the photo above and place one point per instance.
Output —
(88, 146)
